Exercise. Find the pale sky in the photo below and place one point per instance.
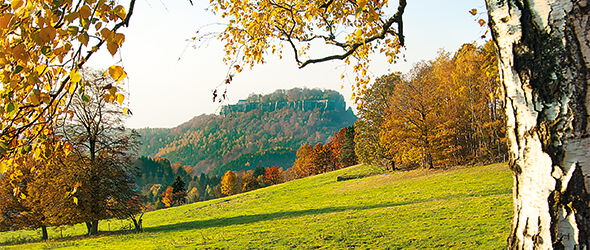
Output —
(166, 91)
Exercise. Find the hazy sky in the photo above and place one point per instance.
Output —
(166, 91)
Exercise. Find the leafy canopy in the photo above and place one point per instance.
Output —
(356, 28)
(43, 46)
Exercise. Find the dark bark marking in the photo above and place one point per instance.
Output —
(576, 201)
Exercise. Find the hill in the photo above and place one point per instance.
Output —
(263, 130)
(462, 208)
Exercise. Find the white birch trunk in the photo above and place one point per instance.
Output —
(544, 62)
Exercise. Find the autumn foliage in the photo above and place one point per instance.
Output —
(229, 183)
(444, 112)
(321, 158)
(273, 175)
(44, 45)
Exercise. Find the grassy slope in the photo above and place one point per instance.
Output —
(460, 208)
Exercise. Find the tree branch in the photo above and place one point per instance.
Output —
(396, 18)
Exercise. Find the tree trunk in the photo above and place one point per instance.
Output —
(137, 222)
(544, 60)
(92, 227)
(44, 235)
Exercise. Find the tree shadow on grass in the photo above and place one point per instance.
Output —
(17, 240)
(202, 224)
(253, 218)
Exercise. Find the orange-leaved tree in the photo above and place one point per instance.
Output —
(273, 175)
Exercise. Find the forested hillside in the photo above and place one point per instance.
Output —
(263, 130)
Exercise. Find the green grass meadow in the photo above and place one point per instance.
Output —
(462, 208)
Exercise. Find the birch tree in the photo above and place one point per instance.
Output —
(544, 59)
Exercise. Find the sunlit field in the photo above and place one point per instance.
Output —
(462, 208)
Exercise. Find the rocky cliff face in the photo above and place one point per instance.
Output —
(323, 105)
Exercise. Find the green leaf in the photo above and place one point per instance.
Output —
(46, 50)
(18, 69)
(85, 98)
(11, 107)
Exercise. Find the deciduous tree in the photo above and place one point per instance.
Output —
(372, 110)
(273, 175)
(167, 197)
(103, 145)
(544, 59)
(229, 183)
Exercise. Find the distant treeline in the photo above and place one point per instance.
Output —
(163, 184)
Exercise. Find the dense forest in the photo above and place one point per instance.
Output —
(444, 112)
(246, 136)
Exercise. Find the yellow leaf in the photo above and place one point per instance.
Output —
(75, 76)
(361, 4)
(47, 34)
(85, 11)
(76, 200)
(358, 33)
(68, 148)
(40, 69)
(120, 11)
(35, 99)
(72, 88)
(120, 98)
(15, 4)
(83, 38)
(117, 73)
(112, 47)
(119, 39)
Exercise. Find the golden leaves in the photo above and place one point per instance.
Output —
(38, 47)
(361, 5)
(120, 98)
(257, 28)
(85, 12)
(113, 40)
(481, 22)
(5, 21)
(83, 38)
(75, 76)
(16, 4)
(120, 12)
(117, 73)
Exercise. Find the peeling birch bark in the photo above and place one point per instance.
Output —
(544, 57)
